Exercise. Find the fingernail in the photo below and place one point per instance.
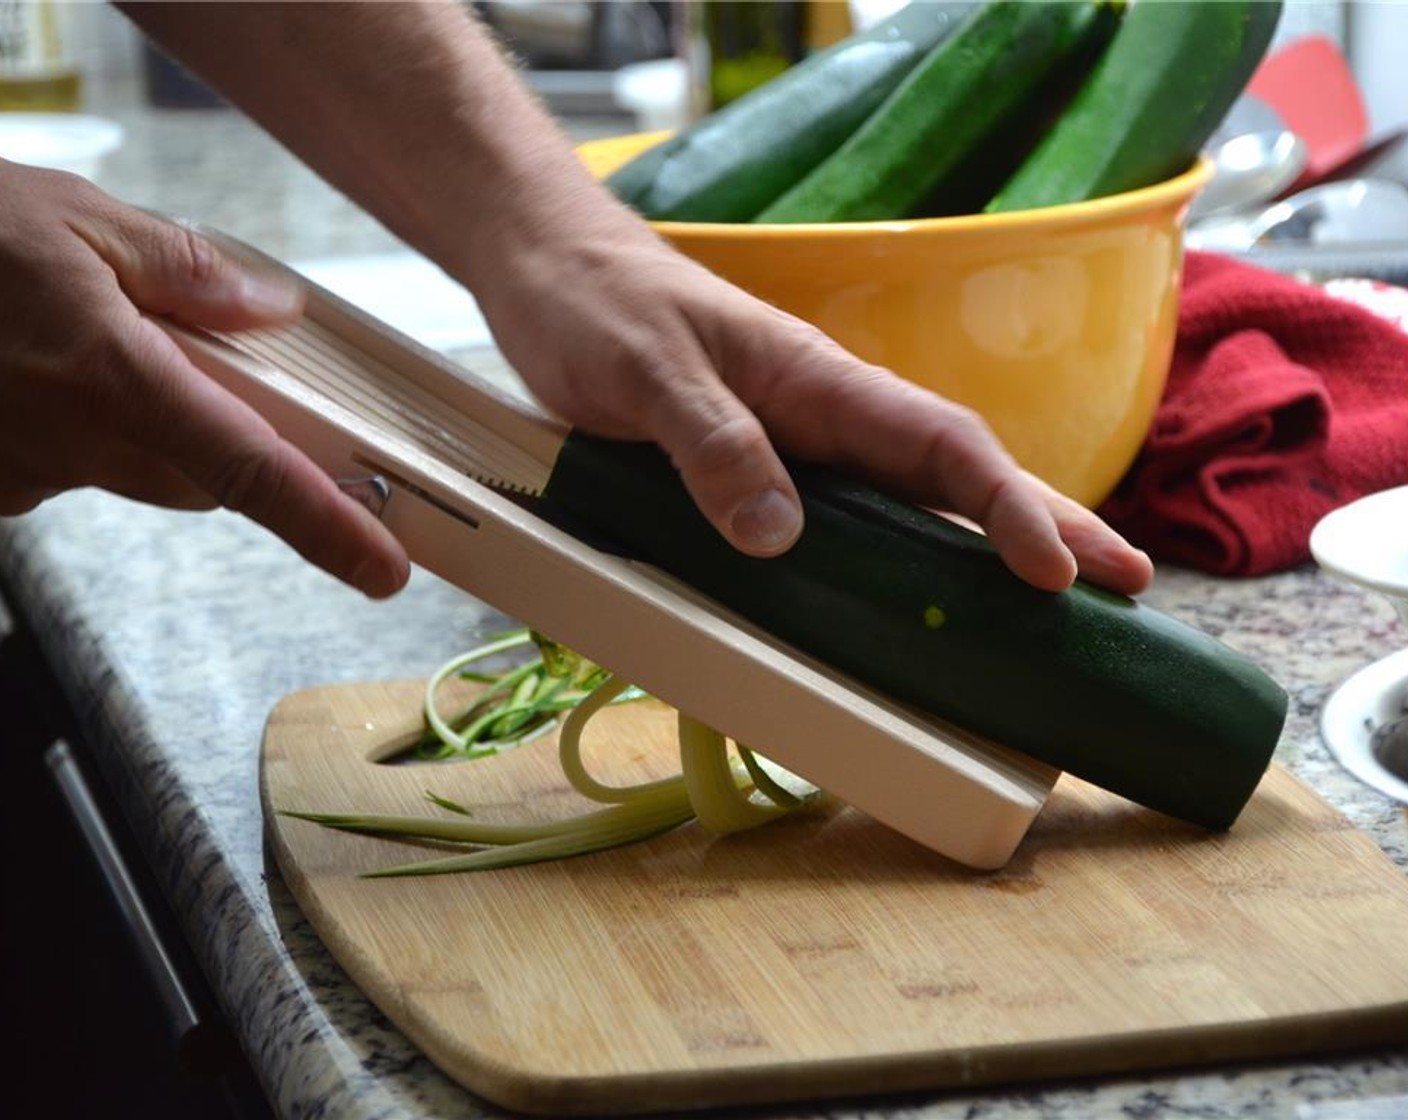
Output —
(768, 521)
(270, 295)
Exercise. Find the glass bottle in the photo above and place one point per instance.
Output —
(37, 69)
(737, 46)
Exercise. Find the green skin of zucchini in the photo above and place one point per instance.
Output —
(1163, 86)
(734, 162)
(971, 183)
(925, 610)
(966, 89)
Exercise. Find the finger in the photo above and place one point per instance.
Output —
(917, 445)
(1024, 531)
(48, 458)
(938, 454)
(1048, 538)
(141, 476)
(728, 465)
(168, 268)
(115, 466)
(1106, 558)
(227, 449)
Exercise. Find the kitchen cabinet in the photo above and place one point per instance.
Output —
(103, 1001)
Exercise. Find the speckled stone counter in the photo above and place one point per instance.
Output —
(174, 634)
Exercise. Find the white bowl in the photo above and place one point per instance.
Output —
(1365, 721)
(657, 92)
(62, 141)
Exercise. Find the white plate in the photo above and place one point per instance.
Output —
(1366, 542)
(62, 141)
(1365, 722)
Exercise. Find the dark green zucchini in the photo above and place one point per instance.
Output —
(953, 102)
(1163, 86)
(971, 184)
(728, 166)
(910, 603)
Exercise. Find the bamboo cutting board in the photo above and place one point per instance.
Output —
(825, 955)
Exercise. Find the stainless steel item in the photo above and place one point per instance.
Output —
(1249, 170)
(1343, 213)
(189, 1033)
(1354, 211)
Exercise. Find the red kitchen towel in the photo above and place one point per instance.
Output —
(1283, 402)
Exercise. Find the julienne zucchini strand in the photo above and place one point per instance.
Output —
(516, 705)
(723, 794)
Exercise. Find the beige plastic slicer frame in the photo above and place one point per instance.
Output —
(362, 400)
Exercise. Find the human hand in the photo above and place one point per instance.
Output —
(93, 393)
(624, 337)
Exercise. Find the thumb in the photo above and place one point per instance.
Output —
(169, 268)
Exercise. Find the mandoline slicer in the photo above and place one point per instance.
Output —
(451, 452)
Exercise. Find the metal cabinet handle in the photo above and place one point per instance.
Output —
(190, 1035)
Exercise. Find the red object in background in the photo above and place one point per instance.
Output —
(1312, 89)
(1283, 403)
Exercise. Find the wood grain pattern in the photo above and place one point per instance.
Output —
(826, 954)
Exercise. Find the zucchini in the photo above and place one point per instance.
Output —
(970, 185)
(1161, 89)
(925, 611)
(949, 105)
(728, 166)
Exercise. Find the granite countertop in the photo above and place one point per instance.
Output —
(175, 634)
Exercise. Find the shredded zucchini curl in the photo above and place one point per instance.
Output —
(723, 792)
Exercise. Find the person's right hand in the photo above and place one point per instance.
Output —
(93, 393)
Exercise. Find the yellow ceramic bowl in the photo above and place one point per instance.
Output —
(1057, 325)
